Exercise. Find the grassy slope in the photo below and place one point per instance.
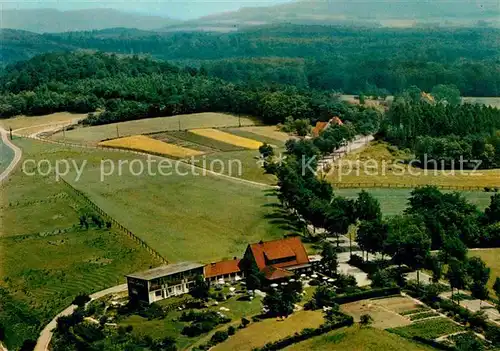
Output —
(243, 165)
(41, 269)
(372, 172)
(258, 334)
(171, 326)
(198, 120)
(32, 121)
(358, 339)
(191, 217)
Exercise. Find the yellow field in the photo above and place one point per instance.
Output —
(94, 134)
(30, 124)
(267, 131)
(144, 143)
(227, 138)
(376, 166)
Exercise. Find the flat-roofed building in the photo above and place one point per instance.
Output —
(163, 282)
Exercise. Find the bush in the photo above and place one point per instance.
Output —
(366, 319)
(81, 300)
(244, 322)
(219, 337)
(231, 330)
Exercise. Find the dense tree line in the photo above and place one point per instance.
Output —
(354, 60)
(444, 131)
(133, 88)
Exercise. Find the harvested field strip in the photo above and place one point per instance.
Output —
(430, 329)
(167, 137)
(204, 141)
(267, 131)
(254, 136)
(94, 134)
(228, 138)
(144, 143)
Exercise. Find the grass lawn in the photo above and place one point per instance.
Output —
(184, 217)
(258, 334)
(94, 134)
(241, 164)
(33, 122)
(171, 326)
(492, 259)
(356, 338)
(6, 156)
(429, 329)
(46, 259)
(375, 172)
(394, 201)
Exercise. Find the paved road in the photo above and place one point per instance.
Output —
(43, 341)
(15, 160)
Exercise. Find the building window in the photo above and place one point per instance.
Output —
(158, 293)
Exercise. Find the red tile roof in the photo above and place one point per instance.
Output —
(320, 126)
(272, 273)
(223, 267)
(280, 249)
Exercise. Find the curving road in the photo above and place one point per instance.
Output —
(15, 160)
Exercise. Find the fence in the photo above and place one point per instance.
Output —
(412, 186)
(115, 223)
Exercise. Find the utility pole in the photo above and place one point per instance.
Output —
(10, 132)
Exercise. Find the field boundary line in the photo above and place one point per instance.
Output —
(354, 185)
(115, 223)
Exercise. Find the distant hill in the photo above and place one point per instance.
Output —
(393, 13)
(52, 20)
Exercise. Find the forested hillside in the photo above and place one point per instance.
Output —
(130, 88)
(353, 60)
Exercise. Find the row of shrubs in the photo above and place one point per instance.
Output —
(221, 335)
(306, 334)
(368, 294)
(491, 189)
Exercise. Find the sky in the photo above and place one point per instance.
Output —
(180, 9)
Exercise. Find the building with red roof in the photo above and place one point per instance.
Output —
(321, 126)
(279, 259)
(227, 270)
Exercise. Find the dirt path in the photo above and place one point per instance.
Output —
(15, 160)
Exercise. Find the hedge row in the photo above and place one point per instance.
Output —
(305, 334)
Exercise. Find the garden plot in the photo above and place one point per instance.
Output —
(228, 138)
(383, 317)
(144, 143)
